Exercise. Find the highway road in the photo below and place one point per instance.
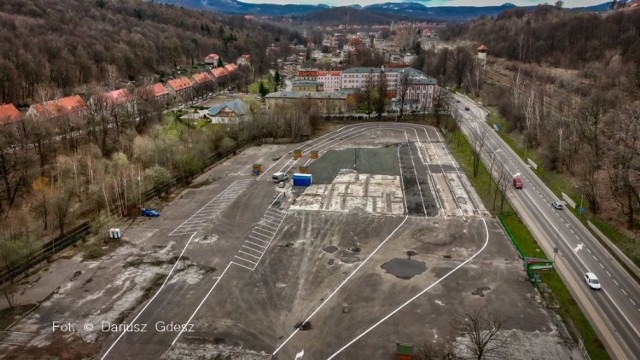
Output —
(615, 310)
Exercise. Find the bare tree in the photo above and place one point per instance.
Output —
(381, 94)
(14, 251)
(436, 351)
(478, 140)
(482, 332)
(624, 161)
(403, 89)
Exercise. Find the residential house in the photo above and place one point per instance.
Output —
(306, 85)
(181, 87)
(119, 100)
(245, 59)
(229, 112)
(211, 60)
(8, 114)
(203, 82)
(219, 73)
(326, 102)
(231, 68)
(157, 92)
(70, 105)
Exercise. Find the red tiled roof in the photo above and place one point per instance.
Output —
(307, 73)
(180, 83)
(202, 78)
(115, 97)
(231, 67)
(213, 57)
(219, 72)
(61, 106)
(331, 73)
(246, 56)
(482, 48)
(8, 114)
(153, 91)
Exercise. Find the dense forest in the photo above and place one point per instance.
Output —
(561, 38)
(67, 44)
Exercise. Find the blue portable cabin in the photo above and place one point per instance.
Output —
(301, 179)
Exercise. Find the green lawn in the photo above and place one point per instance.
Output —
(568, 310)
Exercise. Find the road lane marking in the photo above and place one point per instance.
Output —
(623, 315)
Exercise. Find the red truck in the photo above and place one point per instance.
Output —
(517, 183)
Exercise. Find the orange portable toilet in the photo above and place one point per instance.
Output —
(314, 154)
(304, 169)
(297, 153)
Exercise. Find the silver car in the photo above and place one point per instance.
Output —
(557, 205)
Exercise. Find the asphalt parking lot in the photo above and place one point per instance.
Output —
(245, 271)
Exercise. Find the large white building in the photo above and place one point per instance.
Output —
(418, 88)
(331, 80)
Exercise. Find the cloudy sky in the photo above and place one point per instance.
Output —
(567, 3)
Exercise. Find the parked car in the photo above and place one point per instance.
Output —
(557, 205)
(149, 213)
(517, 183)
(592, 280)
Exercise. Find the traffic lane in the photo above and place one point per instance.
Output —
(602, 321)
(619, 307)
(563, 228)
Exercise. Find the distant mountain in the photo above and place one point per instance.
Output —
(350, 15)
(446, 13)
(234, 7)
(402, 10)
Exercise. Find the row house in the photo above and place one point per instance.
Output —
(230, 68)
(180, 87)
(330, 80)
(70, 105)
(203, 83)
(157, 92)
(8, 114)
(119, 100)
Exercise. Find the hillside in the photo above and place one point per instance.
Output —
(68, 44)
(546, 35)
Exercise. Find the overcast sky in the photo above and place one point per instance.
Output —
(567, 3)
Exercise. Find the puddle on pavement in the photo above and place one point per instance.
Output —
(349, 259)
(404, 268)
(480, 291)
(330, 249)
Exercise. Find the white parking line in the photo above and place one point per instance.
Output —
(624, 292)
(199, 306)
(252, 249)
(154, 296)
(256, 239)
(246, 253)
(252, 243)
(243, 259)
(417, 295)
(343, 283)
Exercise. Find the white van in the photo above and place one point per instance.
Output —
(279, 177)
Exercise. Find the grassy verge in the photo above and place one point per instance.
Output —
(558, 184)
(568, 310)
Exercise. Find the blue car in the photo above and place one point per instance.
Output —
(149, 213)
